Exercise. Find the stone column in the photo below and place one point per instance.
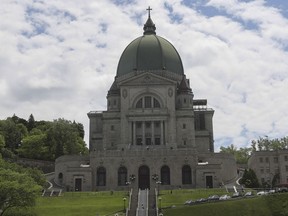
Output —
(134, 132)
(162, 132)
(143, 132)
(152, 131)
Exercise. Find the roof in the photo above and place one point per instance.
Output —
(150, 52)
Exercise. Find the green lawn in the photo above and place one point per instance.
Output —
(76, 204)
(104, 203)
(73, 204)
(272, 205)
(178, 197)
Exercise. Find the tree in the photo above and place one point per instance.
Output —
(241, 155)
(34, 146)
(63, 138)
(13, 133)
(249, 179)
(31, 123)
(45, 140)
(2, 142)
(17, 189)
(266, 144)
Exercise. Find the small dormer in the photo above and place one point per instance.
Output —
(184, 94)
(113, 98)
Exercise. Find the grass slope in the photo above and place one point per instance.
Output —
(104, 203)
(273, 205)
(74, 204)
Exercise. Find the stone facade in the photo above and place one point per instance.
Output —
(267, 164)
(153, 133)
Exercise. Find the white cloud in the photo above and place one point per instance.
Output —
(59, 58)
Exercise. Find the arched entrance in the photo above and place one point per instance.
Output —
(144, 177)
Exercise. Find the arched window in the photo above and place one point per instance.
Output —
(139, 103)
(186, 175)
(148, 102)
(156, 103)
(122, 176)
(101, 176)
(165, 175)
(60, 177)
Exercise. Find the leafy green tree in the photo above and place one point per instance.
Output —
(34, 146)
(241, 155)
(266, 144)
(11, 133)
(249, 179)
(45, 140)
(17, 189)
(2, 142)
(18, 120)
(63, 138)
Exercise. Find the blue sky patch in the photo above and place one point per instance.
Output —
(123, 2)
(174, 17)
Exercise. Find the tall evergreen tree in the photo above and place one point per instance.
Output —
(31, 123)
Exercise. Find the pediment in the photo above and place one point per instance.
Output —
(146, 79)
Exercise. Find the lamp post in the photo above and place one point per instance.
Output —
(160, 199)
(124, 206)
(128, 183)
(158, 186)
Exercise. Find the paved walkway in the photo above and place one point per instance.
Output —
(143, 203)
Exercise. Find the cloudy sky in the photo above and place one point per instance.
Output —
(58, 58)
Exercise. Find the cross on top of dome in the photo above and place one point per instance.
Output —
(149, 9)
(149, 26)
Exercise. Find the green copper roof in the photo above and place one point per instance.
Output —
(150, 52)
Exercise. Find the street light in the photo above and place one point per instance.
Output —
(124, 206)
(158, 186)
(128, 183)
(160, 199)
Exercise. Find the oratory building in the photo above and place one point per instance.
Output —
(154, 133)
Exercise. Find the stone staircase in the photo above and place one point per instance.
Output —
(133, 203)
(152, 208)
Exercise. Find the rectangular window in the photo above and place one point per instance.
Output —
(147, 124)
(286, 167)
(275, 159)
(261, 170)
(157, 124)
(184, 126)
(148, 103)
(286, 158)
(139, 124)
(267, 160)
(157, 141)
(139, 141)
(261, 160)
(267, 170)
(112, 127)
(148, 141)
(200, 121)
(277, 170)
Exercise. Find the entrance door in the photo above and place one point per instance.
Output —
(209, 181)
(78, 184)
(144, 177)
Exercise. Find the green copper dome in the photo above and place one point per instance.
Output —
(150, 52)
